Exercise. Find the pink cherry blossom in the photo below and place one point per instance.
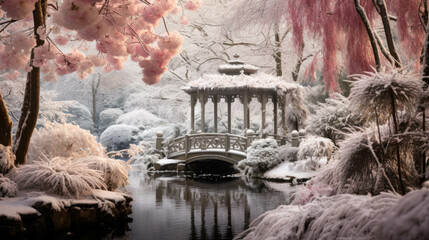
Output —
(17, 9)
(192, 5)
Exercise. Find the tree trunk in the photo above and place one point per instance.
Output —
(278, 54)
(30, 109)
(5, 124)
(372, 40)
(425, 68)
(398, 155)
(388, 32)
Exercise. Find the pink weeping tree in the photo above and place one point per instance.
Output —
(347, 32)
(45, 39)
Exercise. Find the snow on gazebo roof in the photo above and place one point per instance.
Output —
(224, 84)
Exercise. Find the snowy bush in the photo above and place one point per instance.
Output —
(357, 169)
(334, 118)
(373, 93)
(118, 137)
(63, 140)
(108, 117)
(80, 115)
(337, 217)
(143, 156)
(261, 156)
(408, 219)
(8, 188)
(62, 176)
(7, 159)
(287, 153)
(114, 172)
(140, 117)
(315, 148)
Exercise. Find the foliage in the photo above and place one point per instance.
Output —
(60, 175)
(7, 159)
(261, 156)
(8, 188)
(342, 216)
(114, 172)
(143, 156)
(118, 137)
(334, 118)
(316, 147)
(372, 93)
(63, 140)
(287, 153)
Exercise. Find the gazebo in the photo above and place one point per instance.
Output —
(239, 81)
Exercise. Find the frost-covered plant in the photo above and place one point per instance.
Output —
(261, 156)
(342, 216)
(287, 153)
(309, 192)
(297, 112)
(381, 94)
(315, 147)
(334, 117)
(63, 140)
(7, 159)
(143, 155)
(115, 172)
(366, 165)
(408, 219)
(8, 188)
(60, 175)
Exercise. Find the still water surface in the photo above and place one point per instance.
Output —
(170, 206)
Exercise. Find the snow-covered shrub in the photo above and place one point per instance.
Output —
(287, 153)
(80, 115)
(333, 118)
(143, 155)
(115, 172)
(373, 93)
(108, 117)
(408, 219)
(8, 188)
(261, 156)
(357, 170)
(315, 147)
(309, 192)
(118, 137)
(62, 176)
(342, 216)
(7, 159)
(63, 140)
(140, 117)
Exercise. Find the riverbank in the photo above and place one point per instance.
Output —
(37, 214)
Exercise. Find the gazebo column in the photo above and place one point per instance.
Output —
(246, 110)
(229, 99)
(203, 101)
(193, 102)
(275, 120)
(263, 100)
(215, 100)
(282, 100)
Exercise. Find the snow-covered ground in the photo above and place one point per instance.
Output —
(294, 170)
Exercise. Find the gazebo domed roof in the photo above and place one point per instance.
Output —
(236, 67)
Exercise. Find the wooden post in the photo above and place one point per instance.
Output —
(263, 101)
(203, 100)
(274, 99)
(215, 100)
(187, 146)
(193, 102)
(283, 112)
(227, 143)
(295, 138)
(229, 99)
(245, 111)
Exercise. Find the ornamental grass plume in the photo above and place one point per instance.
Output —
(380, 94)
(114, 172)
(8, 188)
(61, 176)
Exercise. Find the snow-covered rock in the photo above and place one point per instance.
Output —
(108, 117)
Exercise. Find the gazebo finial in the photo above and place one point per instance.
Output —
(236, 67)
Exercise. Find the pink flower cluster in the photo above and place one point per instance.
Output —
(121, 29)
(17, 9)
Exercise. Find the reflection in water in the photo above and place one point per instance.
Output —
(176, 207)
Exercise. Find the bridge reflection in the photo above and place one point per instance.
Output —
(217, 208)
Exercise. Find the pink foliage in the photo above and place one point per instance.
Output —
(340, 28)
(121, 29)
(307, 193)
(192, 5)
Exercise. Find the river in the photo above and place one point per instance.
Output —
(172, 206)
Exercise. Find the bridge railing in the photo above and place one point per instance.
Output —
(204, 141)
